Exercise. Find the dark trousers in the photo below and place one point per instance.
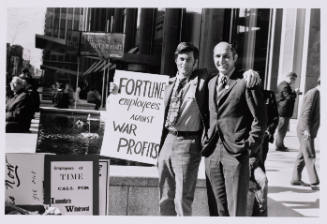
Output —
(259, 194)
(229, 179)
(306, 157)
(258, 190)
(212, 204)
(178, 166)
(281, 131)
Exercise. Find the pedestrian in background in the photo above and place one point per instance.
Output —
(307, 128)
(70, 93)
(237, 124)
(19, 108)
(31, 89)
(93, 96)
(61, 98)
(285, 100)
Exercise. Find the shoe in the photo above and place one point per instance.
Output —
(299, 183)
(282, 149)
(315, 187)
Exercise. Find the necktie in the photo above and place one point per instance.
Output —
(175, 104)
(180, 86)
(222, 81)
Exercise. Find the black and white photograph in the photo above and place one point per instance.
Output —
(163, 111)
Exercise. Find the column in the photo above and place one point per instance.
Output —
(212, 32)
(274, 49)
(130, 28)
(144, 37)
(171, 37)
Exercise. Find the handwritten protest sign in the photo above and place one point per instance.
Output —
(134, 117)
(24, 178)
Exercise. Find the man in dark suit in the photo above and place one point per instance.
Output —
(237, 124)
(285, 100)
(307, 129)
(19, 108)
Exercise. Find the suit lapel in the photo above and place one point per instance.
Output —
(196, 85)
(169, 91)
(212, 91)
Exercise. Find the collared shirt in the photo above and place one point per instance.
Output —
(220, 77)
(189, 114)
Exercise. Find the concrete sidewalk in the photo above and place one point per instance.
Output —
(285, 199)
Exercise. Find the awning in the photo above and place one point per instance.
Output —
(91, 68)
(99, 66)
(42, 42)
(64, 70)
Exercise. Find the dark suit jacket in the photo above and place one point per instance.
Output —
(272, 111)
(285, 98)
(200, 79)
(239, 120)
(310, 113)
(19, 113)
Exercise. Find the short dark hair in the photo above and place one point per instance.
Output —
(26, 76)
(184, 47)
(292, 75)
(26, 70)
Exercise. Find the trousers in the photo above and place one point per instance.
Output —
(258, 195)
(282, 129)
(178, 165)
(305, 158)
(229, 179)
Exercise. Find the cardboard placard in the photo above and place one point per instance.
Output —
(24, 178)
(133, 126)
(72, 184)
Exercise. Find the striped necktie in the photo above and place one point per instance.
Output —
(222, 81)
(175, 104)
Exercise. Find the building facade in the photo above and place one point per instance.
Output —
(271, 41)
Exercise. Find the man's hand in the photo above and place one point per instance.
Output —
(252, 78)
(113, 88)
(306, 134)
(297, 91)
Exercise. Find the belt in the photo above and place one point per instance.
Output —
(184, 133)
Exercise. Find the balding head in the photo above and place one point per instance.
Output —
(225, 45)
(225, 57)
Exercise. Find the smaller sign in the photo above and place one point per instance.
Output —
(106, 45)
(24, 178)
(73, 184)
(68, 182)
(71, 187)
(104, 165)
